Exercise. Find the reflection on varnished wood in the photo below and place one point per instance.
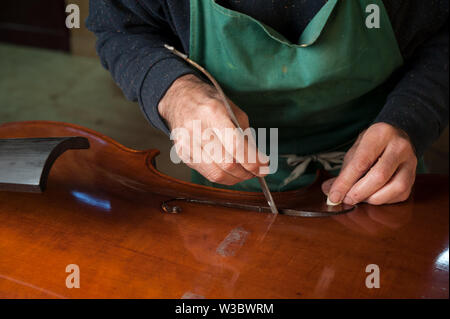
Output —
(101, 211)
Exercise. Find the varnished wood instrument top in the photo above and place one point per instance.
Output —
(102, 212)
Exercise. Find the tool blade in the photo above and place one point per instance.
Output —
(268, 195)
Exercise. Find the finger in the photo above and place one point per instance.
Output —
(376, 178)
(214, 173)
(236, 170)
(240, 148)
(207, 167)
(398, 188)
(244, 123)
(365, 154)
(216, 152)
(326, 186)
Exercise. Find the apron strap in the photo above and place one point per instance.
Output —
(330, 162)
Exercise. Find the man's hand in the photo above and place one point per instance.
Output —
(190, 99)
(379, 169)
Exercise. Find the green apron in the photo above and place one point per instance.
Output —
(320, 93)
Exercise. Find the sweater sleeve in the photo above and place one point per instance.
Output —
(130, 43)
(419, 105)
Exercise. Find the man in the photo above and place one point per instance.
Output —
(330, 78)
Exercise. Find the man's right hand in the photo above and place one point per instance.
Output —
(190, 99)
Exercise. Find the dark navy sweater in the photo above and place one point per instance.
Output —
(131, 34)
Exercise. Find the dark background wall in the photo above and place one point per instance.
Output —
(36, 23)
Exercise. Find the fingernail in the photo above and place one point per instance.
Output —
(330, 203)
(348, 200)
(335, 198)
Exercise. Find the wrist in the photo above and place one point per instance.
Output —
(175, 93)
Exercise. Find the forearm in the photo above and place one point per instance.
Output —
(419, 105)
(130, 43)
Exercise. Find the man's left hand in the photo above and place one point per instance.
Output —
(379, 169)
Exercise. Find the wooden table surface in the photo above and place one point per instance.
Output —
(103, 215)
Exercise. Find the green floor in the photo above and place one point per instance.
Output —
(39, 84)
